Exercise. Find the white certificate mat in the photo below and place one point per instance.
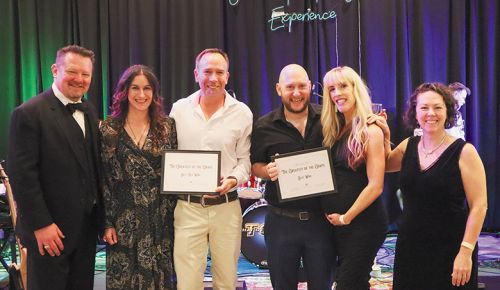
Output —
(190, 172)
(305, 174)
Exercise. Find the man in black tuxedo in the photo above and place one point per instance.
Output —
(53, 164)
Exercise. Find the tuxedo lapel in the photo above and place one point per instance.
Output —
(94, 131)
(70, 129)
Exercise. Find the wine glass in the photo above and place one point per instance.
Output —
(376, 108)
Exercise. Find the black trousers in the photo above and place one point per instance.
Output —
(72, 270)
(289, 240)
(357, 246)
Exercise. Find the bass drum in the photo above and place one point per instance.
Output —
(253, 245)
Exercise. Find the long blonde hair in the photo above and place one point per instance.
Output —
(333, 122)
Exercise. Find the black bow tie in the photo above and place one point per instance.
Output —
(72, 107)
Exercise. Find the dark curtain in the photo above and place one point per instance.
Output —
(394, 44)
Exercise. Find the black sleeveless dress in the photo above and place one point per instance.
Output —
(357, 243)
(433, 221)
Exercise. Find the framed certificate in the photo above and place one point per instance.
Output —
(190, 172)
(305, 174)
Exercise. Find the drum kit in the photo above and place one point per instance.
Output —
(254, 206)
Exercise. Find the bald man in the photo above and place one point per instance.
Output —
(298, 229)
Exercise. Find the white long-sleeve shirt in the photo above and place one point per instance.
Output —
(228, 130)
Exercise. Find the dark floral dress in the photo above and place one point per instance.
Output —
(142, 217)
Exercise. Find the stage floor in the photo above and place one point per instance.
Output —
(255, 278)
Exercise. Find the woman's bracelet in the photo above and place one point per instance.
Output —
(467, 245)
(341, 220)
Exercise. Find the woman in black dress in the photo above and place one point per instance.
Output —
(138, 219)
(444, 197)
(356, 210)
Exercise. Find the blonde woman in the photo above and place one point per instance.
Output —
(356, 210)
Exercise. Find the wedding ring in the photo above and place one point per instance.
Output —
(46, 247)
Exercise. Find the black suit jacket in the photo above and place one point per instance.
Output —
(48, 170)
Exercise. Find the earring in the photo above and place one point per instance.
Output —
(418, 131)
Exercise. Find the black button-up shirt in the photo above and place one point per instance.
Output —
(272, 134)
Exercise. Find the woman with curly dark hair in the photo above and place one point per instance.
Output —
(444, 197)
(138, 219)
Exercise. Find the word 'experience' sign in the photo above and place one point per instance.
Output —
(281, 19)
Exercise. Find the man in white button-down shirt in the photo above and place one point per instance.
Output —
(211, 119)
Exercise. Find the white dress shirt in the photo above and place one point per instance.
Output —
(78, 115)
(228, 130)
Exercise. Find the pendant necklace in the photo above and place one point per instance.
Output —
(137, 142)
(427, 153)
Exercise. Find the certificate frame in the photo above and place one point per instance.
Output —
(190, 172)
(305, 174)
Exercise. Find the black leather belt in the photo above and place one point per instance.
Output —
(294, 213)
(208, 201)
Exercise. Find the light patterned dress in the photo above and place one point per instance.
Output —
(134, 206)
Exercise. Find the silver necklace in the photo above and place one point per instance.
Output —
(427, 153)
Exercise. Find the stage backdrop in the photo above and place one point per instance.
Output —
(394, 44)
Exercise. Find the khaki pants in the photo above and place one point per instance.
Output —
(196, 228)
